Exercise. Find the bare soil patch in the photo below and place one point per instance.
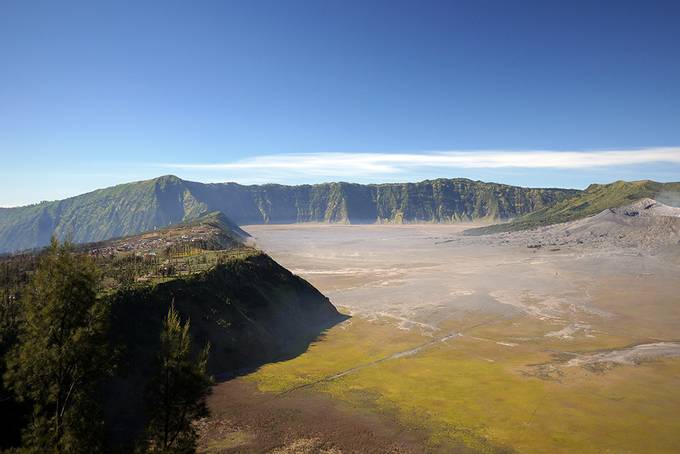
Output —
(245, 420)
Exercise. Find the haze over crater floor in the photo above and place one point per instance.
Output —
(488, 342)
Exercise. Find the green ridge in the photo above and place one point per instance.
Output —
(596, 198)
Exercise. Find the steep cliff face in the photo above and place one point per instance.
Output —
(443, 200)
(136, 207)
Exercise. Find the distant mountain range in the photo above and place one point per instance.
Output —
(146, 205)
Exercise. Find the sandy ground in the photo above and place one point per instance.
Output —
(424, 275)
(548, 321)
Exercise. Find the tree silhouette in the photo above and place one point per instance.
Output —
(177, 393)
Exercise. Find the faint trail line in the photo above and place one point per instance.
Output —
(532, 416)
(397, 355)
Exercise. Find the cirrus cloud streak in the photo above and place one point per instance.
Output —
(368, 164)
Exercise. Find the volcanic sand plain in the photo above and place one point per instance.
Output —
(466, 344)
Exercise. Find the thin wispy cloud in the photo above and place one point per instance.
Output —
(387, 164)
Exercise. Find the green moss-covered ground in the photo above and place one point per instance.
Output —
(488, 396)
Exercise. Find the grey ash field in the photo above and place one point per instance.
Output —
(561, 339)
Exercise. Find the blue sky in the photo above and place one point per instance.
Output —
(536, 93)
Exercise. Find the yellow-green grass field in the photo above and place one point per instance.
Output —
(488, 396)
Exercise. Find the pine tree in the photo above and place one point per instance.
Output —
(12, 413)
(61, 355)
(177, 394)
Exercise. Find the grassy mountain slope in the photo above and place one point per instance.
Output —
(106, 213)
(136, 207)
(205, 259)
(248, 307)
(596, 198)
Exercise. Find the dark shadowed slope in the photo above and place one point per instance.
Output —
(132, 208)
(596, 198)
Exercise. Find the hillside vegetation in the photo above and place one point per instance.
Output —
(246, 306)
(596, 198)
(147, 205)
